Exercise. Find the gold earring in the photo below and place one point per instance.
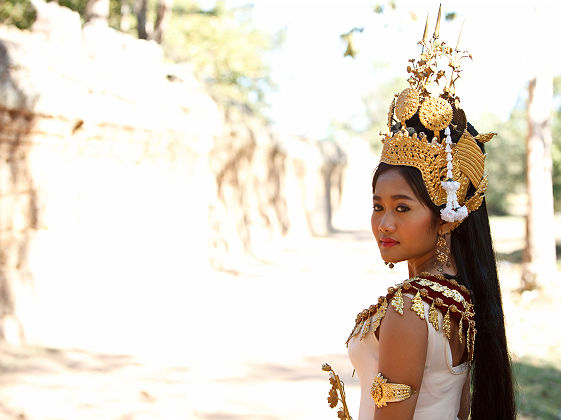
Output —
(389, 264)
(442, 253)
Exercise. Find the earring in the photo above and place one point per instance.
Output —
(442, 253)
(389, 264)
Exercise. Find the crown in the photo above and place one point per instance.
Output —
(432, 107)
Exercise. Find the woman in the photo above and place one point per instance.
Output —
(434, 347)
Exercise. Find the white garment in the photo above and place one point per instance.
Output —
(441, 388)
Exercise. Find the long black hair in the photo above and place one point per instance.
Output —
(472, 250)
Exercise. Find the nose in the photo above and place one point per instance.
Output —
(386, 223)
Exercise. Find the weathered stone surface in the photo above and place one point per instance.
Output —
(116, 180)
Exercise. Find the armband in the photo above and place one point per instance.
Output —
(383, 392)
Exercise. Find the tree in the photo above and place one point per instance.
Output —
(163, 14)
(97, 12)
(221, 45)
(224, 49)
(539, 253)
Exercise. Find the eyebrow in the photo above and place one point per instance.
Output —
(394, 197)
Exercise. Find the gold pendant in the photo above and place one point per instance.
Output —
(433, 316)
(461, 329)
(446, 324)
(397, 302)
(417, 306)
(365, 328)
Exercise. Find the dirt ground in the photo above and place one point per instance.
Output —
(243, 344)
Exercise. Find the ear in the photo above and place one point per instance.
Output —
(444, 227)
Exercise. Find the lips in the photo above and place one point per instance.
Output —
(388, 242)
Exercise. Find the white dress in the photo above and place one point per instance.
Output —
(441, 388)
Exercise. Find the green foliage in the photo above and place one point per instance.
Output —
(505, 164)
(538, 389)
(76, 5)
(224, 49)
(556, 147)
(348, 38)
(221, 44)
(19, 13)
(450, 16)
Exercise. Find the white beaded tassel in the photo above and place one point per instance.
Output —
(452, 212)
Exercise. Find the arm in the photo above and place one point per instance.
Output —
(465, 401)
(403, 350)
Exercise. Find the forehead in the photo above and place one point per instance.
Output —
(391, 182)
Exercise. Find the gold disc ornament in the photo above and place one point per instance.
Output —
(435, 113)
(407, 104)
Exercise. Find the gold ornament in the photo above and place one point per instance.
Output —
(442, 253)
(433, 316)
(407, 104)
(383, 392)
(435, 114)
(470, 157)
(337, 393)
(484, 138)
(437, 293)
(446, 324)
(428, 157)
(461, 329)
(397, 302)
(432, 94)
(390, 114)
(417, 306)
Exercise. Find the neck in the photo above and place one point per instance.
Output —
(431, 266)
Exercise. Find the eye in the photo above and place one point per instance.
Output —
(402, 209)
(377, 207)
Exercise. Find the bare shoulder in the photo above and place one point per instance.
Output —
(403, 349)
(403, 343)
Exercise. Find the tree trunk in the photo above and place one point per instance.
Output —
(163, 14)
(125, 19)
(97, 12)
(539, 255)
(141, 6)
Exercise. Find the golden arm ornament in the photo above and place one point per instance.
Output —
(384, 392)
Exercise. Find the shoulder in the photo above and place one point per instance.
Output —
(445, 295)
(403, 345)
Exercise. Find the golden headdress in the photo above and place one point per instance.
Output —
(432, 111)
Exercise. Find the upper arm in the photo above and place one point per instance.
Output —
(403, 351)
(465, 401)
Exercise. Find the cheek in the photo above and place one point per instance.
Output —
(425, 228)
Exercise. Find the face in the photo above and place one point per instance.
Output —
(403, 226)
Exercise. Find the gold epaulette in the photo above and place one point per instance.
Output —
(449, 297)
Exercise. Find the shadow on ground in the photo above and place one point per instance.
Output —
(46, 360)
(309, 369)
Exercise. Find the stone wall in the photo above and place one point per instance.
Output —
(121, 179)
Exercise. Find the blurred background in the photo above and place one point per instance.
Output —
(185, 197)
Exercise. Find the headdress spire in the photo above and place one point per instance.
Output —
(450, 165)
(437, 27)
(460, 35)
(425, 39)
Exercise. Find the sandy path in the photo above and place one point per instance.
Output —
(246, 345)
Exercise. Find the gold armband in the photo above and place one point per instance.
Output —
(383, 392)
